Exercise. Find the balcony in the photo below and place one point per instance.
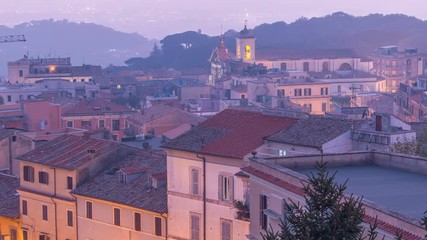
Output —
(242, 211)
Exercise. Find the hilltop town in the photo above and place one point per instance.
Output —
(93, 152)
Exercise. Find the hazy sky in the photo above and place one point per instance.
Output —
(157, 18)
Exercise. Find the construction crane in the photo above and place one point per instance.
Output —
(12, 38)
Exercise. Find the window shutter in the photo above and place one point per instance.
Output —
(220, 187)
(231, 189)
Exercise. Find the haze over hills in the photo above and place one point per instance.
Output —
(338, 30)
(83, 42)
(96, 44)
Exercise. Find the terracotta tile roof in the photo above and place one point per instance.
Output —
(159, 175)
(129, 170)
(305, 54)
(314, 131)
(159, 111)
(391, 229)
(69, 151)
(274, 180)
(231, 133)
(135, 193)
(173, 133)
(90, 107)
(9, 198)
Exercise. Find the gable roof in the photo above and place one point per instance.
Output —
(136, 193)
(90, 107)
(9, 198)
(313, 131)
(5, 133)
(158, 111)
(231, 133)
(69, 151)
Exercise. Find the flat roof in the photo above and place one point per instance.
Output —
(398, 190)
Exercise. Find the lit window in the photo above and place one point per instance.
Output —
(248, 52)
(282, 152)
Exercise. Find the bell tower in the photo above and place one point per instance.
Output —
(245, 45)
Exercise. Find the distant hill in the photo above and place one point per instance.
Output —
(338, 30)
(83, 42)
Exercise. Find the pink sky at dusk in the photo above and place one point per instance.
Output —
(158, 18)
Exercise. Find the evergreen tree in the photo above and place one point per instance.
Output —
(326, 215)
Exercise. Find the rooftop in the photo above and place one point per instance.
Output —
(398, 190)
(230, 133)
(69, 151)
(313, 131)
(9, 198)
(90, 107)
(5, 133)
(139, 167)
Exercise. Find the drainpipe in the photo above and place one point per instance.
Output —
(10, 156)
(204, 194)
(77, 220)
(165, 216)
(54, 195)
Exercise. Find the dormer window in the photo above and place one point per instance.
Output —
(122, 177)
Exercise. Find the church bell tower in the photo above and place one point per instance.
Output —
(245, 46)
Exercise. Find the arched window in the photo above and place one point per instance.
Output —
(248, 52)
(306, 66)
(283, 66)
(345, 67)
(325, 67)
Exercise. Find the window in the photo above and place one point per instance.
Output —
(137, 221)
(226, 188)
(116, 125)
(69, 218)
(324, 91)
(70, 124)
(339, 88)
(82, 80)
(89, 210)
(28, 174)
(44, 212)
(297, 92)
(13, 138)
(21, 73)
(122, 177)
(116, 216)
(44, 237)
(226, 229)
(325, 67)
(195, 226)
(158, 226)
(13, 234)
(24, 235)
(69, 183)
(9, 98)
(86, 123)
(307, 91)
(101, 123)
(43, 177)
(324, 107)
(115, 137)
(263, 204)
(24, 207)
(281, 92)
(306, 66)
(195, 179)
(283, 66)
(248, 52)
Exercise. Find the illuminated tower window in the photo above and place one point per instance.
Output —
(238, 51)
(248, 52)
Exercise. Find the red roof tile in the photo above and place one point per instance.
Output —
(231, 133)
(95, 107)
(69, 151)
